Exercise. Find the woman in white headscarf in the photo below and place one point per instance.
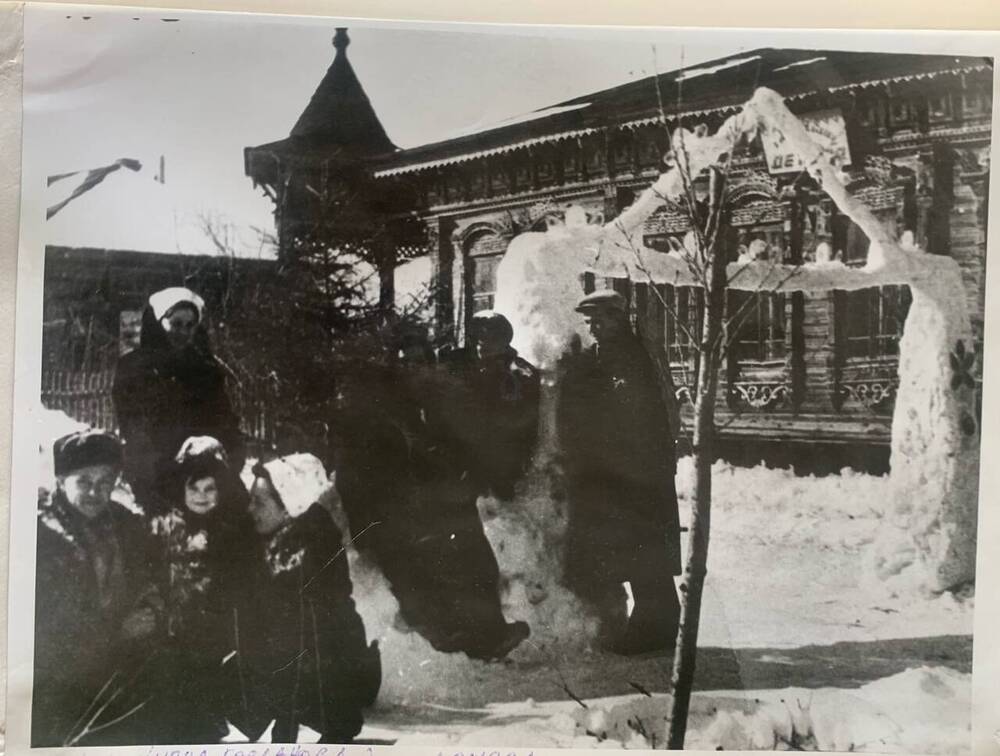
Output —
(169, 389)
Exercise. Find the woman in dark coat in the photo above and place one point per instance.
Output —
(205, 553)
(306, 651)
(169, 389)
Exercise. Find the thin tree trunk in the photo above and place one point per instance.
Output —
(696, 568)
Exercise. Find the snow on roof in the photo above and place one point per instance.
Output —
(524, 118)
(798, 63)
(718, 87)
(483, 153)
(692, 73)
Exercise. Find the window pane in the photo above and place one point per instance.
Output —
(484, 273)
(873, 321)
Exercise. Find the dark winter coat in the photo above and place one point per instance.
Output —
(89, 576)
(410, 497)
(162, 397)
(619, 461)
(494, 416)
(305, 649)
(202, 567)
(202, 563)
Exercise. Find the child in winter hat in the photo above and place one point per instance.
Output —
(203, 539)
(307, 651)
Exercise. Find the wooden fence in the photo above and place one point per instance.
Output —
(86, 397)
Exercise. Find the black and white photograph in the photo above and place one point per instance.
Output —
(457, 387)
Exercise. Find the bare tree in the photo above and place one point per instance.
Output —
(706, 254)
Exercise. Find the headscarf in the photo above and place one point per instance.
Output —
(163, 301)
(153, 337)
(298, 479)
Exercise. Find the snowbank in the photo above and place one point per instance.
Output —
(786, 570)
(791, 563)
(925, 710)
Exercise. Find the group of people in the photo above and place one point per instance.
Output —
(421, 436)
(202, 602)
(221, 599)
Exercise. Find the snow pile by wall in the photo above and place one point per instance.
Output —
(791, 562)
(775, 507)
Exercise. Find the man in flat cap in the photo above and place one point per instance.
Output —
(619, 461)
(94, 609)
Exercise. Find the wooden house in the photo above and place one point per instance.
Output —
(911, 131)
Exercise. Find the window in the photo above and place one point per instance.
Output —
(901, 112)
(483, 255)
(771, 236)
(570, 165)
(872, 321)
(522, 177)
(687, 302)
(756, 322)
(939, 107)
(849, 241)
(483, 274)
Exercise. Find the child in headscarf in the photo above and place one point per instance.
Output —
(169, 389)
(311, 662)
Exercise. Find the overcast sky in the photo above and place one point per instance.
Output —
(201, 88)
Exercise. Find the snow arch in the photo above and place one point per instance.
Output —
(930, 530)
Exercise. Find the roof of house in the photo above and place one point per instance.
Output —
(714, 87)
(339, 119)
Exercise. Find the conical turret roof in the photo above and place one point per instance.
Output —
(340, 112)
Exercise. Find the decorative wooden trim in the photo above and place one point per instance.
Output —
(760, 396)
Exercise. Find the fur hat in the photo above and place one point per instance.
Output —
(85, 449)
(299, 480)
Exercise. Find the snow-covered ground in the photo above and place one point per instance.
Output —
(923, 710)
(791, 604)
(801, 644)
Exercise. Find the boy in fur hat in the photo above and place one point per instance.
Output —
(307, 654)
(95, 610)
